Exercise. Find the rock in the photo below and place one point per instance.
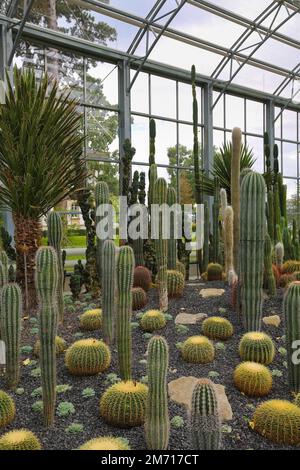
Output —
(189, 318)
(205, 293)
(273, 320)
(181, 390)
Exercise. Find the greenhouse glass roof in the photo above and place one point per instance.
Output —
(254, 44)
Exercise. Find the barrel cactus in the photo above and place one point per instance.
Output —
(205, 426)
(258, 347)
(108, 290)
(105, 443)
(60, 346)
(161, 246)
(142, 278)
(124, 404)
(217, 328)
(7, 409)
(252, 379)
(157, 424)
(198, 350)
(19, 439)
(291, 308)
(55, 236)
(87, 357)
(11, 310)
(46, 283)
(152, 320)
(139, 298)
(175, 281)
(214, 272)
(91, 320)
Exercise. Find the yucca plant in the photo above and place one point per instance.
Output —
(40, 164)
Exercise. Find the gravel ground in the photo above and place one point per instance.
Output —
(237, 433)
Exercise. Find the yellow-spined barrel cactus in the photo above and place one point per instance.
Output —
(60, 346)
(139, 298)
(124, 404)
(19, 439)
(217, 328)
(198, 350)
(253, 379)
(257, 347)
(142, 278)
(88, 357)
(290, 267)
(152, 320)
(297, 400)
(176, 283)
(7, 409)
(279, 421)
(181, 268)
(214, 272)
(91, 320)
(105, 443)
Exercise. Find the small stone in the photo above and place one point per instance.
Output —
(273, 320)
(189, 318)
(206, 293)
(181, 391)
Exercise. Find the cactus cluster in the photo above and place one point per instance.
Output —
(124, 404)
(157, 425)
(87, 357)
(205, 425)
(291, 308)
(55, 235)
(198, 350)
(47, 276)
(252, 379)
(19, 439)
(60, 346)
(91, 320)
(139, 298)
(142, 278)
(10, 321)
(279, 421)
(105, 443)
(175, 282)
(152, 320)
(257, 347)
(108, 290)
(217, 328)
(7, 409)
(214, 272)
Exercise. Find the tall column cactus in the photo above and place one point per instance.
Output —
(108, 290)
(3, 275)
(253, 231)
(291, 309)
(55, 235)
(205, 425)
(4, 260)
(172, 242)
(235, 192)
(161, 245)
(279, 254)
(198, 196)
(269, 275)
(46, 285)
(11, 310)
(152, 133)
(216, 212)
(125, 270)
(152, 181)
(101, 197)
(157, 426)
(228, 246)
(206, 237)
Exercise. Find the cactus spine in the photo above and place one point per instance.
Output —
(125, 269)
(253, 221)
(269, 276)
(108, 291)
(205, 421)
(279, 254)
(172, 242)
(46, 285)
(161, 244)
(235, 192)
(11, 309)
(101, 197)
(291, 308)
(157, 425)
(55, 235)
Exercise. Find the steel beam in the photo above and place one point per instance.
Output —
(12, 9)
(19, 33)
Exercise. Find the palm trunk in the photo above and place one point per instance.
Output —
(27, 237)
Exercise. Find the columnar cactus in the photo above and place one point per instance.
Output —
(172, 242)
(206, 237)
(291, 308)
(152, 180)
(108, 290)
(11, 310)
(157, 424)
(198, 197)
(152, 132)
(269, 276)
(279, 254)
(46, 285)
(125, 269)
(55, 235)
(101, 197)
(161, 245)
(287, 243)
(235, 192)
(205, 425)
(216, 210)
(228, 245)
(4, 261)
(253, 231)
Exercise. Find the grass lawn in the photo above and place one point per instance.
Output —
(74, 241)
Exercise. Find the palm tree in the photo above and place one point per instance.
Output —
(40, 161)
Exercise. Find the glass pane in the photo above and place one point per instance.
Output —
(218, 139)
(185, 104)
(292, 199)
(218, 110)
(234, 112)
(101, 84)
(186, 186)
(102, 133)
(279, 155)
(289, 159)
(108, 172)
(257, 145)
(289, 123)
(278, 119)
(140, 138)
(140, 93)
(165, 138)
(255, 117)
(186, 141)
(163, 97)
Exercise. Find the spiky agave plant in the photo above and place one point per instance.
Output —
(38, 126)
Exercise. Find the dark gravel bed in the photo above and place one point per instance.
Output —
(237, 433)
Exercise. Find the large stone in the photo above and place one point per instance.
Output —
(189, 318)
(181, 391)
(205, 293)
(273, 320)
